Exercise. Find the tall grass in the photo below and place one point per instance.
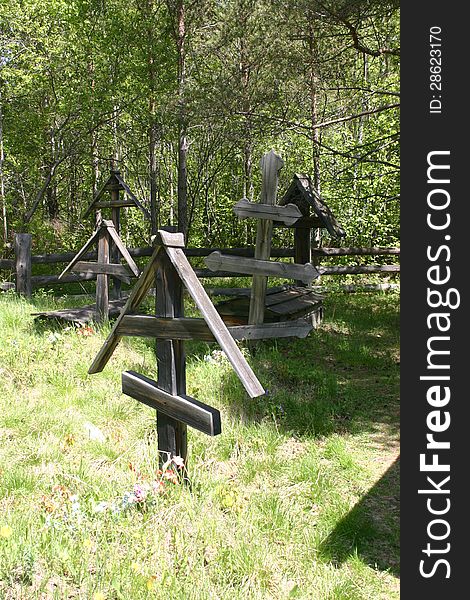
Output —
(297, 498)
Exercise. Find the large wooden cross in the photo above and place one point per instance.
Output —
(170, 270)
(266, 211)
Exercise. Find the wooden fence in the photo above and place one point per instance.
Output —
(20, 267)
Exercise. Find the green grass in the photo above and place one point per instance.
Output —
(297, 498)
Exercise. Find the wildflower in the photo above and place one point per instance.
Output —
(85, 331)
(69, 440)
(100, 507)
(136, 567)
(61, 491)
(178, 462)
(99, 596)
(88, 543)
(170, 475)
(151, 582)
(158, 487)
(53, 337)
(140, 492)
(5, 531)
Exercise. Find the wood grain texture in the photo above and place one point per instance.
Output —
(252, 266)
(215, 323)
(271, 163)
(171, 361)
(302, 193)
(295, 328)
(287, 214)
(165, 328)
(138, 293)
(102, 283)
(122, 248)
(116, 270)
(182, 408)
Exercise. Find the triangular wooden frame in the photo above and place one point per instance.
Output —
(172, 244)
(115, 181)
(103, 227)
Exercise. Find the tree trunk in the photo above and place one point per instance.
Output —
(2, 180)
(182, 124)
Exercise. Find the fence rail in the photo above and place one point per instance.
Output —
(20, 267)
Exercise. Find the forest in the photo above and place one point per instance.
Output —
(184, 97)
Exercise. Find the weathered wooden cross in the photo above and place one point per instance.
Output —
(110, 246)
(104, 234)
(170, 270)
(266, 211)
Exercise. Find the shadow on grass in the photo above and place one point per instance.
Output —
(371, 529)
(343, 378)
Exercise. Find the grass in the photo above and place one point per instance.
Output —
(297, 498)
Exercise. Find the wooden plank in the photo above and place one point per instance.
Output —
(306, 273)
(138, 293)
(294, 306)
(354, 251)
(129, 194)
(165, 328)
(303, 223)
(271, 163)
(180, 407)
(351, 270)
(302, 246)
(289, 294)
(46, 280)
(215, 323)
(303, 194)
(111, 180)
(296, 328)
(81, 252)
(102, 284)
(114, 251)
(113, 204)
(168, 238)
(7, 263)
(287, 214)
(82, 315)
(122, 248)
(66, 257)
(197, 329)
(23, 263)
(118, 271)
(245, 292)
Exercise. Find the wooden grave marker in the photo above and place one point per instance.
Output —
(175, 410)
(105, 235)
(267, 212)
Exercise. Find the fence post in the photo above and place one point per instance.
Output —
(23, 263)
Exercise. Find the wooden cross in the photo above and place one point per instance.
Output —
(267, 212)
(175, 410)
(104, 234)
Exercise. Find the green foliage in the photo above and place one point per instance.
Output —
(82, 83)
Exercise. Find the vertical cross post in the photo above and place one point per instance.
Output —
(171, 361)
(271, 163)
(102, 291)
(302, 248)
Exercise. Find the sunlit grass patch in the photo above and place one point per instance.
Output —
(292, 500)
